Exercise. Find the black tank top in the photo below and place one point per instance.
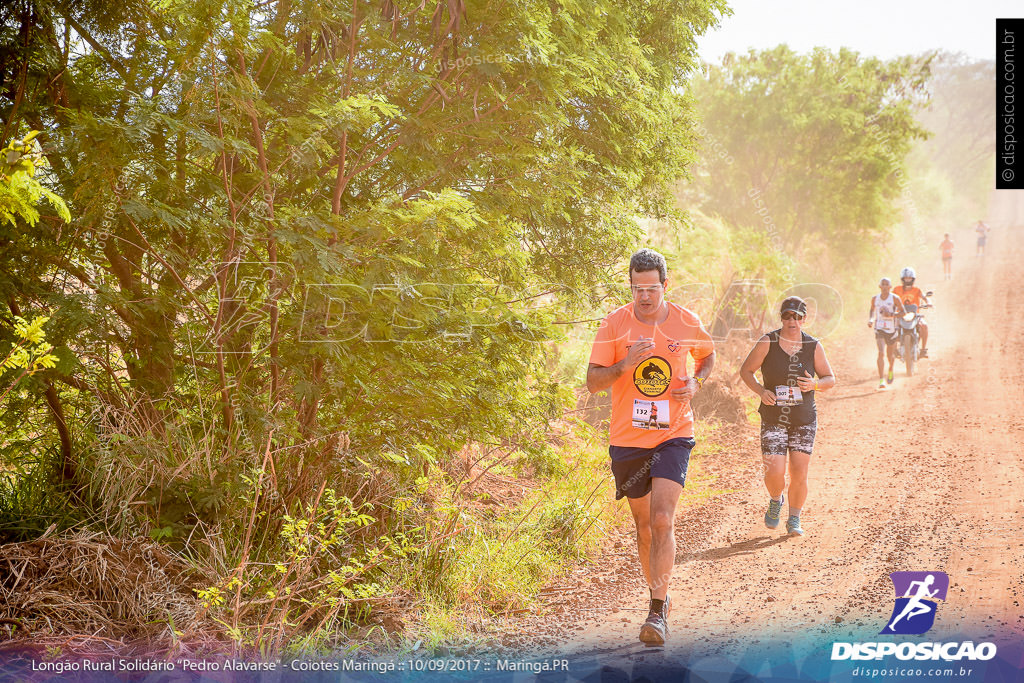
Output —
(779, 368)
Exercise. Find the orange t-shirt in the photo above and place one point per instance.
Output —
(947, 248)
(908, 295)
(643, 412)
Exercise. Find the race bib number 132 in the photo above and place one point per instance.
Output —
(650, 414)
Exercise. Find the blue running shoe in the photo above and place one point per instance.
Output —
(771, 518)
(793, 526)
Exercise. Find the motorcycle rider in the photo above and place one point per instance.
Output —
(909, 294)
(882, 316)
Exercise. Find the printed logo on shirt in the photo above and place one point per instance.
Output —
(674, 345)
(652, 376)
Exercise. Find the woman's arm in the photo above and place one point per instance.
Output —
(822, 368)
(752, 364)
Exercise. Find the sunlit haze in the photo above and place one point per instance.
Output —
(875, 27)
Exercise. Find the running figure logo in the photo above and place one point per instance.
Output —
(917, 594)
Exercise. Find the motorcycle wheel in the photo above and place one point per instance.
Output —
(908, 354)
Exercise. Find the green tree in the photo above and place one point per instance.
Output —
(339, 223)
(22, 196)
(812, 145)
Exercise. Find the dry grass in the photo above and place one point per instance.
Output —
(86, 585)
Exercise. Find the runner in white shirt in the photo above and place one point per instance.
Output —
(882, 317)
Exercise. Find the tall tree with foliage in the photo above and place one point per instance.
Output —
(328, 230)
(813, 144)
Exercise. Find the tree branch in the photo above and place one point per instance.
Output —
(96, 45)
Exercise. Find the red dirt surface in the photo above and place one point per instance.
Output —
(927, 474)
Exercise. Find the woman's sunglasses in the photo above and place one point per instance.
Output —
(790, 315)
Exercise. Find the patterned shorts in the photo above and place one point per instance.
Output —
(779, 439)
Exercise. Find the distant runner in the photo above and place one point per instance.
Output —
(639, 349)
(946, 247)
(788, 359)
(882, 316)
(982, 231)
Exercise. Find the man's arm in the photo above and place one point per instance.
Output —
(600, 377)
(871, 314)
(702, 367)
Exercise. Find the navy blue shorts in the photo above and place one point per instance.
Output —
(635, 467)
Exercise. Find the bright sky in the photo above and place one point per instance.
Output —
(881, 28)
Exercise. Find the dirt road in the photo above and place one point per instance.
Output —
(925, 475)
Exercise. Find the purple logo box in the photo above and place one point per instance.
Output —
(937, 582)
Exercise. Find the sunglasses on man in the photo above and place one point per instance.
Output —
(651, 290)
(792, 315)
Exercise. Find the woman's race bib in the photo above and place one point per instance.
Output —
(786, 395)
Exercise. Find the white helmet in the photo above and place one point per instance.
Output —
(908, 273)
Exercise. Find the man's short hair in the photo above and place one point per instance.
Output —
(645, 260)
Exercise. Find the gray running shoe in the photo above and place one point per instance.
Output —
(771, 518)
(654, 630)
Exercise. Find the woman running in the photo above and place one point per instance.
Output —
(788, 359)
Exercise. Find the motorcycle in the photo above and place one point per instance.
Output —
(909, 341)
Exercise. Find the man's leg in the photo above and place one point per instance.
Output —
(880, 343)
(923, 329)
(664, 498)
(891, 349)
(641, 509)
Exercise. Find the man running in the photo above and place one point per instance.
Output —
(947, 257)
(649, 462)
(788, 359)
(982, 230)
(882, 316)
(909, 294)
